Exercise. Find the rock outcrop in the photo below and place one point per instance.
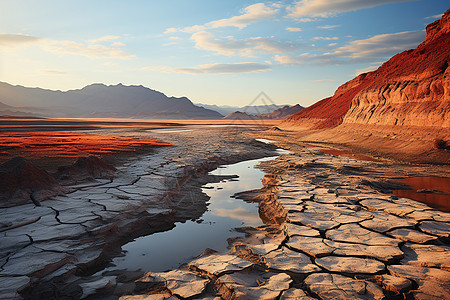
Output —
(240, 115)
(22, 182)
(282, 112)
(411, 89)
(86, 169)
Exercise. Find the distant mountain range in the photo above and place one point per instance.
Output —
(100, 101)
(277, 114)
(251, 110)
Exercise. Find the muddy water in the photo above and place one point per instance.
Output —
(432, 190)
(168, 250)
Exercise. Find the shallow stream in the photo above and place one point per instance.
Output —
(168, 250)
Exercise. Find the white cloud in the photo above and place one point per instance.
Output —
(304, 20)
(328, 26)
(292, 60)
(170, 30)
(11, 40)
(86, 49)
(242, 47)
(250, 14)
(325, 8)
(377, 47)
(217, 68)
(90, 48)
(365, 70)
(325, 38)
(192, 29)
(117, 44)
(382, 45)
(293, 29)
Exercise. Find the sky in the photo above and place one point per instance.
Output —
(213, 52)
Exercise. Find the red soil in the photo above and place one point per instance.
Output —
(36, 145)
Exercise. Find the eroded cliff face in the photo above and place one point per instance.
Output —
(411, 89)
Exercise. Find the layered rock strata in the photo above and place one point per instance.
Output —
(411, 89)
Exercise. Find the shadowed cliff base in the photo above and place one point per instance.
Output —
(403, 144)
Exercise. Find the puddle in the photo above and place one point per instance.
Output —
(432, 190)
(344, 153)
(280, 151)
(265, 141)
(168, 250)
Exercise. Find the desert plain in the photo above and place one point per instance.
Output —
(335, 223)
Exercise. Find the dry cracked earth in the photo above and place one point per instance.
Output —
(331, 231)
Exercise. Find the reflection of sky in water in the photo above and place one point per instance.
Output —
(266, 141)
(167, 250)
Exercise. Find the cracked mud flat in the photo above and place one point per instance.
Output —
(329, 233)
(43, 249)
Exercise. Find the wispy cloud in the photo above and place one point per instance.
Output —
(242, 47)
(293, 29)
(434, 17)
(54, 72)
(217, 68)
(325, 38)
(87, 49)
(170, 30)
(365, 50)
(325, 8)
(90, 48)
(365, 70)
(250, 14)
(328, 26)
(11, 40)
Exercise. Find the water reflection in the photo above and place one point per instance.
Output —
(432, 190)
(167, 250)
(239, 213)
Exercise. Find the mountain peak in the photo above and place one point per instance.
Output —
(110, 101)
(438, 28)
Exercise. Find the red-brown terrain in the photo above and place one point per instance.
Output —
(406, 101)
(53, 149)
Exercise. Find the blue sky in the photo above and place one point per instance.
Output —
(214, 52)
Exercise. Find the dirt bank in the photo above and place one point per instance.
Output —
(404, 145)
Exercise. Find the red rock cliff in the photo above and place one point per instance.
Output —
(411, 89)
